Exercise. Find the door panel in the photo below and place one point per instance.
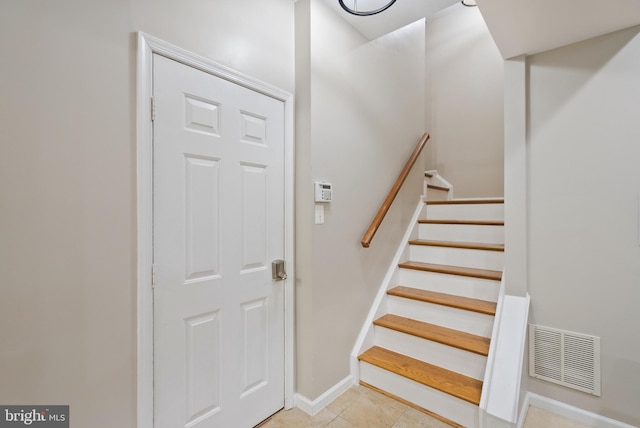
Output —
(203, 365)
(218, 223)
(201, 217)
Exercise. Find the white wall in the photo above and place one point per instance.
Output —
(251, 36)
(360, 114)
(584, 185)
(464, 102)
(67, 183)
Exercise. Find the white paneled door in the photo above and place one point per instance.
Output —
(218, 200)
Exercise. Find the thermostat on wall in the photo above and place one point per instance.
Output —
(323, 192)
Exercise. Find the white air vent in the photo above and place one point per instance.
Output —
(566, 358)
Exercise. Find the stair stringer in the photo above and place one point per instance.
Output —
(366, 338)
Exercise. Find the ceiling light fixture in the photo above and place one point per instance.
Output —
(354, 10)
(469, 3)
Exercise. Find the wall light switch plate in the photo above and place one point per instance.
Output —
(319, 214)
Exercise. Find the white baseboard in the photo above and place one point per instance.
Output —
(313, 407)
(567, 411)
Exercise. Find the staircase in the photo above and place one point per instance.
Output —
(432, 337)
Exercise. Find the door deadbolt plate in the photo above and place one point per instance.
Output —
(278, 270)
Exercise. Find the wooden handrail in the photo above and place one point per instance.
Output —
(384, 208)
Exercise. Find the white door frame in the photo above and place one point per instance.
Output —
(147, 46)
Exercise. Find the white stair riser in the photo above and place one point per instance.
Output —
(435, 401)
(462, 233)
(481, 259)
(447, 357)
(475, 288)
(457, 319)
(466, 212)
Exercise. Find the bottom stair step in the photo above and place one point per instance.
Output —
(410, 404)
(455, 384)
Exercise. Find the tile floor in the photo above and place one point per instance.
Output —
(357, 407)
(363, 407)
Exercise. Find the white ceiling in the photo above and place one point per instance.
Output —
(403, 12)
(528, 27)
(517, 26)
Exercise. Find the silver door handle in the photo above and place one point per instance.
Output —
(278, 272)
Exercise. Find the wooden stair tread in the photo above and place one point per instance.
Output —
(459, 302)
(456, 384)
(435, 333)
(467, 201)
(436, 187)
(453, 270)
(454, 244)
(464, 222)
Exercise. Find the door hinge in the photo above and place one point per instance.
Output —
(153, 109)
(154, 276)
